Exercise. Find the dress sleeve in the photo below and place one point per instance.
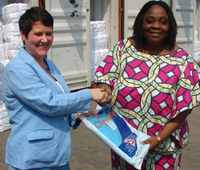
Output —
(187, 97)
(188, 91)
(108, 71)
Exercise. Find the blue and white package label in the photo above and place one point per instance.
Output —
(119, 135)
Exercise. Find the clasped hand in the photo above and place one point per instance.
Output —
(99, 95)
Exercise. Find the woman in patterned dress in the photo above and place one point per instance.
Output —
(154, 85)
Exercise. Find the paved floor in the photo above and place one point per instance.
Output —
(90, 153)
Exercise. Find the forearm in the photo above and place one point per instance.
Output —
(173, 124)
(169, 128)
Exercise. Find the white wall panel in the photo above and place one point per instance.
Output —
(71, 47)
(131, 9)
(184, 12)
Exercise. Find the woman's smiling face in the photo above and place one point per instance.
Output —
(39, 40)
(156, 25)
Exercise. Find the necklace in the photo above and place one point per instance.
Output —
(47, 69)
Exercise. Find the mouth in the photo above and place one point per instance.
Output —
(42, 46)
(155, 34)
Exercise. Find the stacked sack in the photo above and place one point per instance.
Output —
(11, 34)
(4, 118)
(196, 48)
(99, 44)
(2, 56)
(10, 43)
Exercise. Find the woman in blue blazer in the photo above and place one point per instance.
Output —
(38, 101)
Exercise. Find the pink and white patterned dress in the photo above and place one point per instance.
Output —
(149, 91)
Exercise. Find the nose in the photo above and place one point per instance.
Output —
(156, 25)
(44, 38)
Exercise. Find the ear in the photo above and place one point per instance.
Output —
(23, 37)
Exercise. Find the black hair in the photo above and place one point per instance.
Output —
(138, 36)
(33, 15)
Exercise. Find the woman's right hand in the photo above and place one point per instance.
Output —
(108, 90)
(99, 94)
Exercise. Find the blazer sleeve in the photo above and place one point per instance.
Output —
(23, 83)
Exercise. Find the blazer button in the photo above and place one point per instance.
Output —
(80, 111)
(65, 118)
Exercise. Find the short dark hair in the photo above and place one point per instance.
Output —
(138, 36)
(33, 15)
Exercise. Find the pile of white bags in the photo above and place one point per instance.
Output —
(10, 43)
(196, 48)
(2, 66)
(2, 56)
(12, 12)
(10, 17)
(4, 118)
(99, 44)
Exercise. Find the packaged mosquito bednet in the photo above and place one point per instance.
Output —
(121, 137)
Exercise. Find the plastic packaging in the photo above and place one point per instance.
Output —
(124, 140)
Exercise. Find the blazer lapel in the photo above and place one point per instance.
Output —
(29, 59)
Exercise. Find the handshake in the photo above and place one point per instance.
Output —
(102, 94)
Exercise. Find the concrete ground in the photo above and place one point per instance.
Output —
(90, 153)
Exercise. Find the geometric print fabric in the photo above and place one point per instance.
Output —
(149, 90)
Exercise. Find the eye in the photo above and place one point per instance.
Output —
(149, 21)
(49, 33)
(38, 34)
(163, 21)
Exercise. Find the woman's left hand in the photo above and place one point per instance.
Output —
(90, 113)
(169, 128)
(152, 141)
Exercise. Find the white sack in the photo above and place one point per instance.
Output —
(1, 39)
(1, 33)
(95, 57)
(104, 53)
(1, 92)
(197, 56)
(10, 54)
(3, 65)
(15, 44)
(3, 112)
(11, 30)
(99, 42)
(12, 12)
(9, 37)
(4, 124)
(12, 17)
(97, 28)
(2, 52)
(14, 7)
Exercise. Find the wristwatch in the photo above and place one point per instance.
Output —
(159, 140)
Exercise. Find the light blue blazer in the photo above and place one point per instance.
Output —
(37, 107)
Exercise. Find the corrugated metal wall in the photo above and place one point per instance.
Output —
(184, 12)
(130, 12)
(71, 47)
